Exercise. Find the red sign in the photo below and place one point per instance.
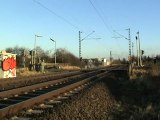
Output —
(9, 63)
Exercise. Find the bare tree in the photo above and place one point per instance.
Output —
(64, 56)
(21, 53)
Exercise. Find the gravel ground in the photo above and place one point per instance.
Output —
(96, 103)
(113, 98)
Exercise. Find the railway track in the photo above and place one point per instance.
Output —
(6, 84)
(10, 83)
(45, 94)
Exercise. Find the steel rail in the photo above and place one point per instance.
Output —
(22, 90)
(9, 84)
(19, 82)
(14, 108)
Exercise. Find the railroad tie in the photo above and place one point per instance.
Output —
(67, 94)
(51, 102)
(61, 98)
(44, 106)
(74, 92)
(20, 118)
(31, 111)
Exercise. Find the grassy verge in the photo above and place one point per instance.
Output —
(139, 97)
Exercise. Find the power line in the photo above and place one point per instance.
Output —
(100, 16)
(129, 39)
(109, 28)
(122, 36)
(60, 17)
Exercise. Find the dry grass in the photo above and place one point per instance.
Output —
(69, 67)
(144, 72)
(138, 99)
(150, 77)
(26, 72)
(155, 71)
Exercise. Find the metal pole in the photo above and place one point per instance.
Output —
(110, 56)
(34, 53)
(129, 39)
(140, 55)
(35, 43)
(80, 40)
(79, 44)
(132, 49)
(55, 52)
(129, 42)
(137, 50)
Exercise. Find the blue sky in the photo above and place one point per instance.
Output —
(20, 20)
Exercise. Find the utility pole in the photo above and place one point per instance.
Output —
(110, 57)
(54, 50)
(140, 54)
(80, 40)
(129, 39)
(132, 49)
(80, 44)
(35, 53)
(137, 50)
(129, 57)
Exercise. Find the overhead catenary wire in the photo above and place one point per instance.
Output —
(54, 13)
(100, 16)
(121, 36)
(110, 28)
